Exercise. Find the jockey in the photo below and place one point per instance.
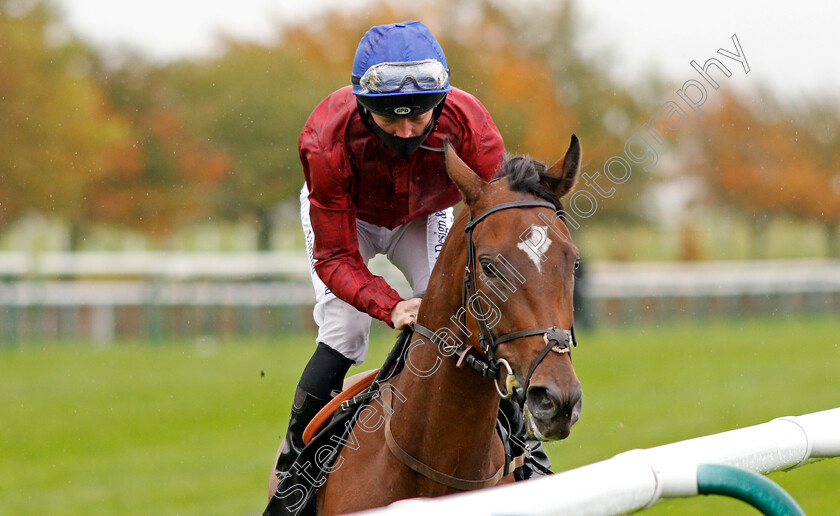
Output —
(376, 184)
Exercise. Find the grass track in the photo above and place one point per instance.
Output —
(189, 428)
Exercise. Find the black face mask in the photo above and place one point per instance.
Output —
(403, 147)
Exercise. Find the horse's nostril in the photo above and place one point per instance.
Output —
(542, 402)
(545, 403)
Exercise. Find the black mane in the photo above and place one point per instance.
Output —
(527, 175)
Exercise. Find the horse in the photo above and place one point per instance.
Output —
(499, 299)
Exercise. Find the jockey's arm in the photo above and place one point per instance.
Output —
(336, 247)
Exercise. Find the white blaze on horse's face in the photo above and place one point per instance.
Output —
(535, 242)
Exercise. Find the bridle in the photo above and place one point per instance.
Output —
(489, 365)
(556, 339)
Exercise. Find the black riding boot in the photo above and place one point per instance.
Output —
(304, 408)
(537, 462)
(322, 375)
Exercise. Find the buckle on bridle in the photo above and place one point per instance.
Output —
(365, 396)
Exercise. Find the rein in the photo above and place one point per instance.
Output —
(433, 474)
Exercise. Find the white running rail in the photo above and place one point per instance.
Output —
(637, 479)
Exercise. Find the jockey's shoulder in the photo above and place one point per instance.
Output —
(330, 118)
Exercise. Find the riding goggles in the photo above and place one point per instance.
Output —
(407, 77)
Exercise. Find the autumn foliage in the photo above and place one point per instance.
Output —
(156, 147)
(72, 150)
(780, 161)
(57, 134)
(162, 180)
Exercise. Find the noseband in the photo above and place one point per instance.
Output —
(556, 339)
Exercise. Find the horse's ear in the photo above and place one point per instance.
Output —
(565, 171)
(468, 182)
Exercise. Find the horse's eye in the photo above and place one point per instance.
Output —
(488, 268)
(577, 262)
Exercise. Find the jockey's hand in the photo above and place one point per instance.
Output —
(405, 313)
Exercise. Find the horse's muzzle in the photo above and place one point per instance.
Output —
(549, 415)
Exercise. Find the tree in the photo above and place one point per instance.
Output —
(818, 128)
(252, 104)
(167, 177)
(773, 162)
(58, 134)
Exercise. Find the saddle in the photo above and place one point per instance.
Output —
(347, 395)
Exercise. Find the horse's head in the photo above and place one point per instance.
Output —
(522, 283)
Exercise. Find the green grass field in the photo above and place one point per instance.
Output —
(190, 428)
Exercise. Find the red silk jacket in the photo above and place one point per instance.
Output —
(351, 175)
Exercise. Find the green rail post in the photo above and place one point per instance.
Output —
(747, 486)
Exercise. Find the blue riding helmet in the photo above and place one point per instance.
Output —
(400, 70)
